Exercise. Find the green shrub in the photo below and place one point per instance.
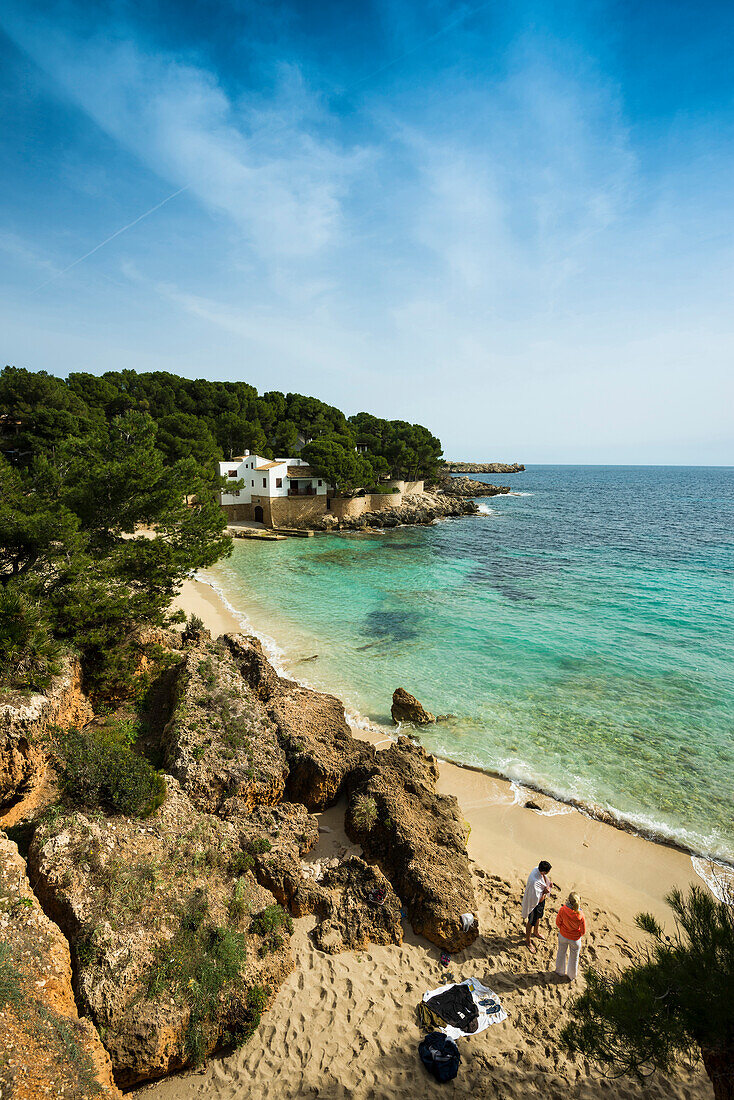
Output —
(271, 919)
(259, 845)
(364, 812)
(98, 767)
(239, 863)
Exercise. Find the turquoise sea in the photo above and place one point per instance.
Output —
(581, 633)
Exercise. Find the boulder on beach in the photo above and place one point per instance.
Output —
(406, 708)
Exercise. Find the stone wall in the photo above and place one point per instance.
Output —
(293, 511)
(235, 512)
(352, 507)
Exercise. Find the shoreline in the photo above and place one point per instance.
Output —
(495, 804)
(344, 1025)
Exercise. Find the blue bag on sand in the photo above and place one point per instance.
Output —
(440, 1055)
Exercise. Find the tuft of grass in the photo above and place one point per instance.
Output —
(364, 812)
(199, 966)
(238, 905)
(239, 863)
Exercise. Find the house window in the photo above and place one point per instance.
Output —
(320, 483)
(265, 483)
(232, 473)
(253, 484)
(279, 483)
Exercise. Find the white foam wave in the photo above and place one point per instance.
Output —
(485, 510)
(517, 493)
(275, 654)
(719, 877)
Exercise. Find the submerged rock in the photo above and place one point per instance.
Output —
(406, 708)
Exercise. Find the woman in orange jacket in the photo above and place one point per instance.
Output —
(571, 928)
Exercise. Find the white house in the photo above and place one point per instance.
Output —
(273, 491)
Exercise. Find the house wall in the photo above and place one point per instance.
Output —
(413, 487)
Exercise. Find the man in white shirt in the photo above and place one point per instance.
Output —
(537, 889)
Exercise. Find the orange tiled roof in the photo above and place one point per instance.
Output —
(268, 466)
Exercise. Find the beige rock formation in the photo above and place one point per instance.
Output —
(47, 1050)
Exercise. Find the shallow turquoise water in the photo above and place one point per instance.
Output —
(581, 635)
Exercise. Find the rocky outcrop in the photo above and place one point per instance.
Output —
(176, 946)
(419, 509)
(360, 908)
(468, 487)
(484, 467)
(319, 746)
(418, 838)
(23, 720)
(220, 743)
(406, 708)
(47, 1050)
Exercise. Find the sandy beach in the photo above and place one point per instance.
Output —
(345, 1025)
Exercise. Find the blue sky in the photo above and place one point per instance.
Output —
(512, 222)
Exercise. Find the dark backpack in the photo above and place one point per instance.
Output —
(440, 1055)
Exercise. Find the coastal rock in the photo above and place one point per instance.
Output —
(254, 667)
(277, 838)
(418, 838)
(176, 947)
(361, 908)
(47, 1049)
(319, 746)
(485, 467)
(23, 720)
(416, 509)
(468, 487)
(406, 708)
(220, 743)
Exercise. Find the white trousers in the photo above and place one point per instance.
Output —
(572, 948)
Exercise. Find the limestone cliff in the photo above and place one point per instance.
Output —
(47, 1050)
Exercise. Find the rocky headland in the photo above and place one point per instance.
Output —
(464, 487)
(174, 928)
(484, 467)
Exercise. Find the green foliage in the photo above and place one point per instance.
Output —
(29, 654)
(677, 997)
(11, 989)
(259, 845)
(271, 919)
(98, 767)
(335, 461)
(238, 905)
(404, 450)
(199, 965)
(240, 863)
(364, 812)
